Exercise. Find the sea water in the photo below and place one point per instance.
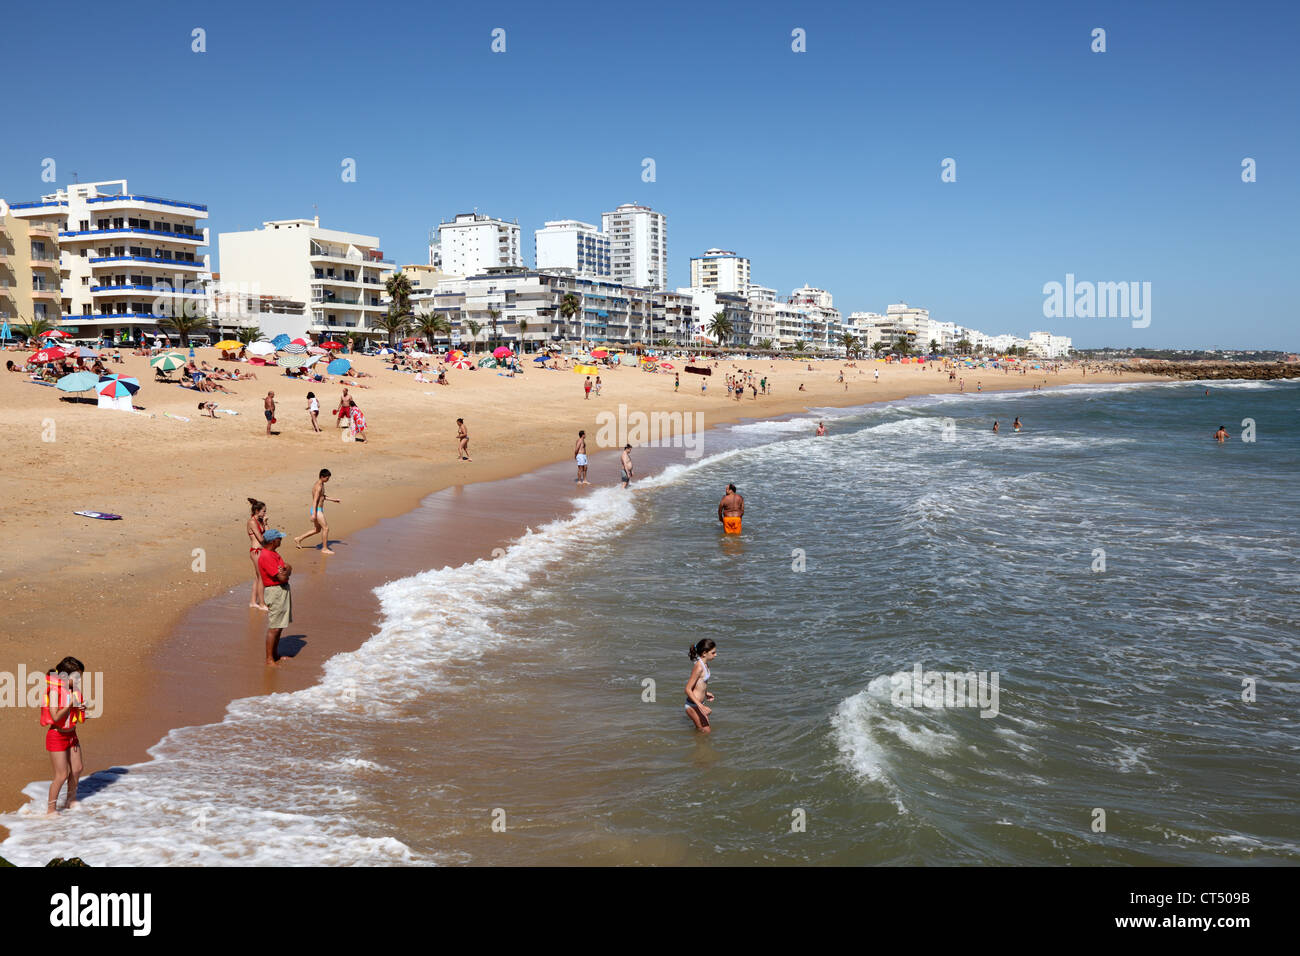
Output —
(1129, 584)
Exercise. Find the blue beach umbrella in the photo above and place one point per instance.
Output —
(541, 360)
(78, 382)
(281, 340)
(340, 366)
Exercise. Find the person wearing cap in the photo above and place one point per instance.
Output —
(275, 573)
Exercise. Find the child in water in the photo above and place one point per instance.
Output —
(697, 687)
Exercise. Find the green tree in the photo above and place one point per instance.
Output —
(393, 324)
(765, 344)
(720, 328)
(879, 347)
(398, 287)
(523, 331)
(571, 306)
(963, 346)
(494, 316)
(474, 328)
(934, 347)
(249, 334)
(429, 325)
(33, 328)
(903, 346)
(800, 345)
(850, 343)
(184, 325)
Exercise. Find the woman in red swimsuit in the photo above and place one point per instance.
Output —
(256, 527)
(63, 710)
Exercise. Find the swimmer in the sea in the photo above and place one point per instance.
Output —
(697, 687)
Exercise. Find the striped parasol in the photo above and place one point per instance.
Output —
(117, 386)
(462, 363)
(291, 361)
(294, 348)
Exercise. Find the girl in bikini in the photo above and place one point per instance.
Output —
(697, 687)
(256, 527)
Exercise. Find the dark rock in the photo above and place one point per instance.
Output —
(70, 861)
(1218, 370)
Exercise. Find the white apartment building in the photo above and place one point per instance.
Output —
(471, 244)
(114, 262)
(822, 321)
(1048, 346)
(722, 271)
(338, 274)
(578, 247)
(638, 238)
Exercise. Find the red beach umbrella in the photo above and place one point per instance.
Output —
(51, 354)
(501, 352)
(330, 345)
(462, 363)
(54, 334)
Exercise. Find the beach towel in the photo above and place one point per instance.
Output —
(104, 515)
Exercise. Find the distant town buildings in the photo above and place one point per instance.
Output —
(472, 243)
(720, 270)
(578, 247)
(638, 238)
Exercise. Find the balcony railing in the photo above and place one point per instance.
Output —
(153, 199)
(167, 262)
(128, 230)
(37, 205)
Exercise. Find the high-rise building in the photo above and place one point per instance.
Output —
(338, 274)
(722, 271)
(576, 246)
(29, 271)
(127, 261)
(638, 241)
(471, 244)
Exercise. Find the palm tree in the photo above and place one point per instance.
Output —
(903, 346)
(398, 287)
(474, 328)
(494, 316)
(393, 323)
(523, 331)
(765, 344)
(720, 328)
(32, 330)
(934, 347)
(429, 324)
(879, 347)
(963, 346)
(850, 343)
(570, 306)
(184, 325)
(249, 334)
(800, 345)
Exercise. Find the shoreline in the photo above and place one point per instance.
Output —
(221, 669)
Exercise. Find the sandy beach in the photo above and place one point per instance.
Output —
(113, 593)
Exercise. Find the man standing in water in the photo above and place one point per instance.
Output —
(730, 510)
(1221, 435)
(275, 583)
(626, 462)
(580, 455)
(317, 513)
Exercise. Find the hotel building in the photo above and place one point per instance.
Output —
(578, 247)
(29, 272)
(471, 244)
(336, 273)
(638, 238)
(721, 271)
(120, 262)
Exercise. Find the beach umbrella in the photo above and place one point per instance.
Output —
(54, 334)
(331, 345)
(167, 362)
(454, 355)
(300, 341)
(117, 386)
(311, 360)
(487, 361)
(541, 360)
(281, 340)
(462, 363)
(339, 366)
(598, 353)
(261, 348)
(667, 365)
(501, 352)
(51, 354)
(316, 350)
(78, 382)
(84, 352)
(227, 344)
(294, 348)
(291, 361)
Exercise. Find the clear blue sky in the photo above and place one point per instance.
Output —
(822, 167)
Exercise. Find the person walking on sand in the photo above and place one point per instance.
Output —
(313, 409)
(317, 514)
(343, 412)
(256, 528)
(268, 409)
(697, 685)
(586, 388)
(63, 709)
(580, 456)
(677, 381)
(731, 509)
(626, 461)
(462, 440)
(1221, 435)
(275, 581)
